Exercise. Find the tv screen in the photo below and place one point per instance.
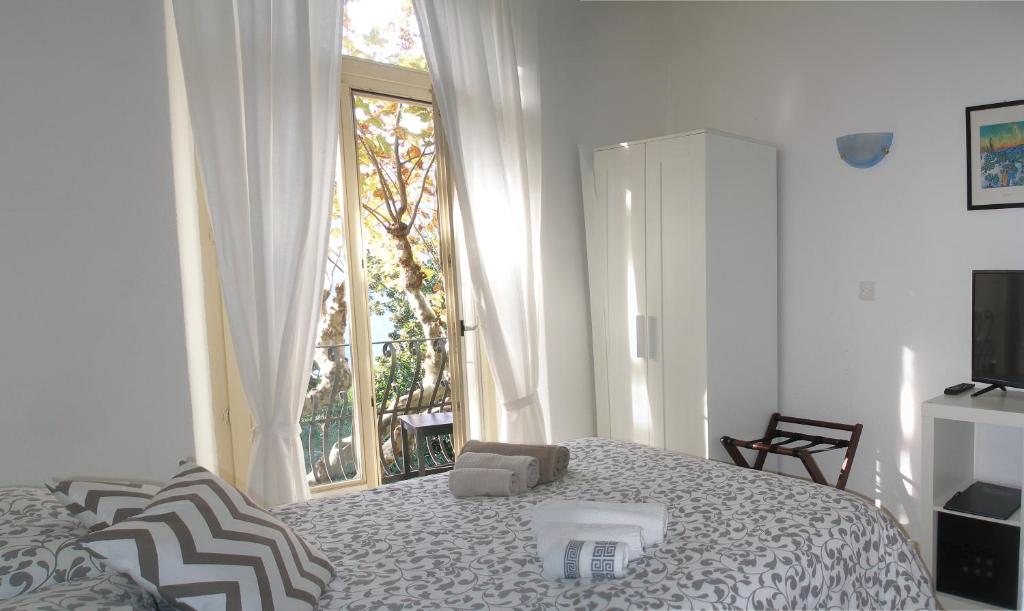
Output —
(998, 351)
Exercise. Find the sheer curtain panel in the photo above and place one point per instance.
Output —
(262, 80)
(483, 67)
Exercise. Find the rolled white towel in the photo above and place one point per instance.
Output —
(551, 533)
(650, 517)
(575, 559)
(483, 482)
(527, 468)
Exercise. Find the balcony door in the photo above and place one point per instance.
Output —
(386, 346)
(389, 337)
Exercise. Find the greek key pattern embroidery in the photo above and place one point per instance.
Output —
(602, 563)
(573, 551)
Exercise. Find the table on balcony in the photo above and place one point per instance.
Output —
(422, 426)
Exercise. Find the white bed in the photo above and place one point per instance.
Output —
(736, 538)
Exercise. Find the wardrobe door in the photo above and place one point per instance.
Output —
(626, 326)
(677, 283)
(742, 230)
(594, 175)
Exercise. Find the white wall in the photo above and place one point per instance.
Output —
(594, 91)
(92, 354)
(92, 357)
(800, 74)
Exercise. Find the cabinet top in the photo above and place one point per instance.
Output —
(696, 132)
(995, 407)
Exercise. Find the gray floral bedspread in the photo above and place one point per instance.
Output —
(106, 592)
(38, 543)
(736, 539)
(42, 567)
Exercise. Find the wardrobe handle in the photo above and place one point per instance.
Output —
(641, 336)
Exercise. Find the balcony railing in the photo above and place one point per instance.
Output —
(409, 376)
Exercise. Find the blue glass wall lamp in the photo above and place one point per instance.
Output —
(864, 150)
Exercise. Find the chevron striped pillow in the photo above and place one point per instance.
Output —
(98, 505)
(202, 544)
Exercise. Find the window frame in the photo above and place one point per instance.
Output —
(359, 76)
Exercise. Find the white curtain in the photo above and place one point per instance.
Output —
(262, 82)
(482, 58)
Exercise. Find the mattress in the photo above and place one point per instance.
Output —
(736, 538)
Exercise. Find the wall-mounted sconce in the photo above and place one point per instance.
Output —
(864, 150)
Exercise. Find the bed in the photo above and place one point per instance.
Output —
(736, 538)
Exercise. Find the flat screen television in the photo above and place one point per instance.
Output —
(997, 355)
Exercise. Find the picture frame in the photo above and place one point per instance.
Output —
(995, 156)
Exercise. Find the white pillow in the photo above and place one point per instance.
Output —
(202, 544)
(98, 505)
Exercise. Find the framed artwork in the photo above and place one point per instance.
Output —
(995, 156)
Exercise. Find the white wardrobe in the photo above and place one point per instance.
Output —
(682, 243)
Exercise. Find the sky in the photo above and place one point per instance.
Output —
(1002, 135)
(365, 15)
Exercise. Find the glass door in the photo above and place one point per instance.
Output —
(384, 346)
(401, 225)
(331, 438)
(385, 349)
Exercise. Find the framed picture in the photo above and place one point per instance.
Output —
(995, 156)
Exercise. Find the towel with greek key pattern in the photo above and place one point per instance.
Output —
(578, 559)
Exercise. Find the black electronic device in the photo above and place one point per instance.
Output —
(984, 499)
(959, 389)
(997, 346)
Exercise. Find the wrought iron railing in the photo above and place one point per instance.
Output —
(410, 377)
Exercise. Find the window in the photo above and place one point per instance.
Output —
(385, 345)
(383, 31)
(384, 348)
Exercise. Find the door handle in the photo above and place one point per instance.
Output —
(641, 336)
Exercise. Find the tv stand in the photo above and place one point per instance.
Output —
(989, 388)
(965, 440)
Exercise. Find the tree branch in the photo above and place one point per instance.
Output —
(423, 185)
(377, 215)
(389, 197)
(423, 153)
(335, 261)
(402, 193)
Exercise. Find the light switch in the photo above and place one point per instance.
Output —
(867, 290)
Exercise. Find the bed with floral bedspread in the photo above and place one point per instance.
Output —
(42, 566)
(736, 538)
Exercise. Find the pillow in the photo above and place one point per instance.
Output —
(101, 592)
(39, 543)
(202, 544)
(98, 505)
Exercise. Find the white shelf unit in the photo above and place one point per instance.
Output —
(956, 453)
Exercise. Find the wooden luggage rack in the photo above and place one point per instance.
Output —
(812, 444)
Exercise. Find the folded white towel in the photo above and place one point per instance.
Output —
(650, 517)
(527, 468)
(483, 482)
(575, 559)
(551, 533)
